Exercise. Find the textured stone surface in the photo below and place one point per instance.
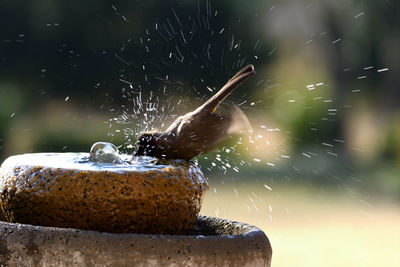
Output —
(64, 190)
(214, 242)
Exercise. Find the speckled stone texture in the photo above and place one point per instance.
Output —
(214, 242)
(160, 199)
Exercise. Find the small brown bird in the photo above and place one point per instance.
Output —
(197, 131)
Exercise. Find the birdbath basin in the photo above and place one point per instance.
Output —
(70, 191)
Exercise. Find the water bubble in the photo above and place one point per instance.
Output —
(104, 152)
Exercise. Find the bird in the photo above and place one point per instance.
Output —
(198, 131)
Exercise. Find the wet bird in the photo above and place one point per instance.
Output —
(198, 131)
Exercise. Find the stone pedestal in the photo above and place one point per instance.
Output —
(211, 242)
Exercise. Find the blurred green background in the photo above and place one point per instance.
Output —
(324, 105)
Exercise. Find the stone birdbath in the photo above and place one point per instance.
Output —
(105, 209)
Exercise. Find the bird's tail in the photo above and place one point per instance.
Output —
(212, 104)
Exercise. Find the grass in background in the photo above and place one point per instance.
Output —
(310, 226)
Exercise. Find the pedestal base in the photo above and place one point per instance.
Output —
(212, 242)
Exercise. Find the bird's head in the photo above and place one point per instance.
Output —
(151, 144)
(145, 144)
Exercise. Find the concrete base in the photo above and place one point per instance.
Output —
(213, 242)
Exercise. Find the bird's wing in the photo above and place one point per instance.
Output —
(233, 124)
(239, 123)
